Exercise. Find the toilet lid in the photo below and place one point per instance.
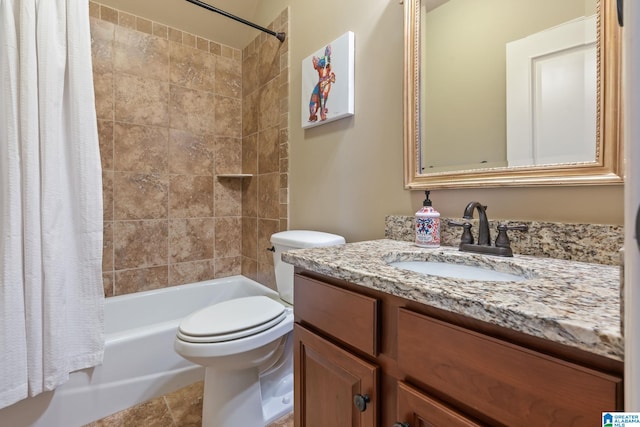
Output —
(231, 319)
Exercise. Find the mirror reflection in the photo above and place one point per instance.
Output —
(511, 92)
(513, 85)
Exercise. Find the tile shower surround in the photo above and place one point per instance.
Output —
(175, 111)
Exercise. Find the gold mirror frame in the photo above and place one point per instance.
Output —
(607, 169)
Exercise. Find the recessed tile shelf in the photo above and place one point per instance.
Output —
(235, 175)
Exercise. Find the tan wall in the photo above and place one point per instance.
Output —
(347, 175)
(170, 119)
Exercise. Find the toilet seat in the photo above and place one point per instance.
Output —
(231, 320)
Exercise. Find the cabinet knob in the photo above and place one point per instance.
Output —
(361, 401)
(399, 424)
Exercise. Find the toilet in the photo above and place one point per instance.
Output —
(246, 341)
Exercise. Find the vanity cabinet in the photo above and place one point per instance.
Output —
(415, 408)
(334, 386)
(408, 364)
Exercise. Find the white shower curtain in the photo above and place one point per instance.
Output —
(51, 294)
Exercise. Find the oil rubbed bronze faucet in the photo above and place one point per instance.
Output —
(502, 244)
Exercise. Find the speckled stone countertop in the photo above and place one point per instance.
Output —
(569, 302)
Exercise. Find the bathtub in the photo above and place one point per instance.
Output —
(139, 360)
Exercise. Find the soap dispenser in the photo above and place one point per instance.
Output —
(427, 225)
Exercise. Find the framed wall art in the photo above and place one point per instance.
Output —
(328, 81)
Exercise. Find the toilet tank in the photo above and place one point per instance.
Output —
(296, 239)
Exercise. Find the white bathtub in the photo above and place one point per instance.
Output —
(139, 360)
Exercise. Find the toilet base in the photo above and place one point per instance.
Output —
(232, 398)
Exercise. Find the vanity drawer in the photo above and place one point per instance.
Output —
(347, 316)
(517, 386)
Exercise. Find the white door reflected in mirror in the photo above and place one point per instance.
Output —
(552, 94)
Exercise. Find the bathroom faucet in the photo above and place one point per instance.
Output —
(502, 244)
(484, 238)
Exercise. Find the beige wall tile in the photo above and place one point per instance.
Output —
(228, 197)
(140, 196)
(105, 139)
(144, 25)
(269, 196)
(141, 54)
(228, 237)
(190, 153)
(228, 116)
(94, 10)
(215, 48)
(250, 113)
(250, 81)
(141, 148)
(226, 52)
(103, 90)
(160, 30)
(228, 155)
(268, 151)
(107, 195)
(126, 20)
(168, 141)
(141, 279)
(191, 110)
(250, 153)
(188, 40)
(250, 197)
(268, 106)
(191, 272)
(268, 60)
(191, 239)
(192, 68)
(108, 14)
(190, 196)
(250, 268)
(140, 243)
(266, 227)
(107, 246)
(141, 101)
(107, 283)
(226, 267)
(175, 35)
(202, 44)
(102, 36)
(250, 237)
(228, 77)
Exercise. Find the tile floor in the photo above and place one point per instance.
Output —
(182, 408)
(286, 421)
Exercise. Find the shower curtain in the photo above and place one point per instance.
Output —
(51, 294)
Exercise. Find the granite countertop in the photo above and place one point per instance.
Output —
(569, 302)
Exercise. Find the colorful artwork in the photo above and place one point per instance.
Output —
(328, 72)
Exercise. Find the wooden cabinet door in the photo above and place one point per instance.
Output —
(327, 379)
(416, 409)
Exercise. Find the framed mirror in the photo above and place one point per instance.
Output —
(536, 103)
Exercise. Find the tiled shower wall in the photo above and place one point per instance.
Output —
(265, 148)
(176, 111)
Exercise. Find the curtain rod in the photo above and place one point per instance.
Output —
(279, 36)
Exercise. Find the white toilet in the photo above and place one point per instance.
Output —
(244, 341)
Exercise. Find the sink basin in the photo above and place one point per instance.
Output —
(457, 271)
